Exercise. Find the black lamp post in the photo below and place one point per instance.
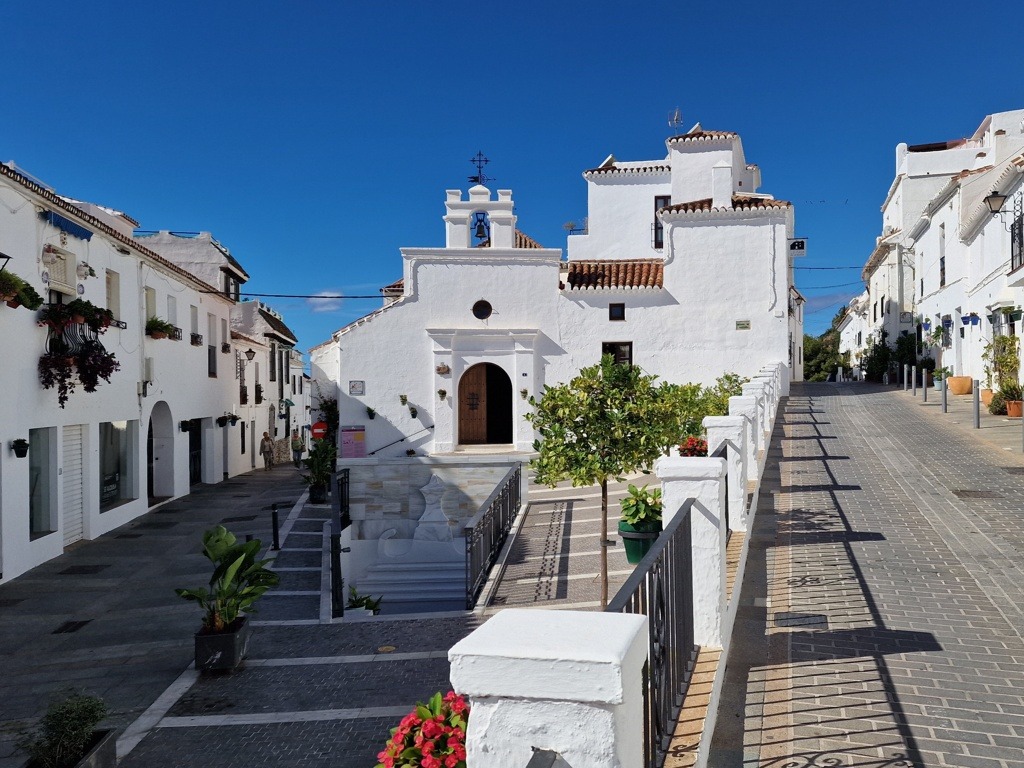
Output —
(995, 202)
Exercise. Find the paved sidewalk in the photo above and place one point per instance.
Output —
(883, 604)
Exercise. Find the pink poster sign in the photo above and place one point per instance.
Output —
(353, 442)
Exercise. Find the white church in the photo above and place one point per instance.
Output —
(684, 269)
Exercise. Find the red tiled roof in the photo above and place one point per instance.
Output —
(703, 136)
(522, 241)
(640, 273)
(739, 202)
(94, 223)
(396, 287)
(659, 168)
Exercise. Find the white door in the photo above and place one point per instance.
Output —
(72, 473)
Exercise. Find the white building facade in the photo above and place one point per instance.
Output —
(159, 426)
(684, 270)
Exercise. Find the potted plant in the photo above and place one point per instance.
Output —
(693, 446)
(238, 581)
(939, 374)
(158, 329)
(432, 734)
(55, 370)
(370, 413)
(67, 736)
(362, 604)
(442, 393)
(20, 447)
(403, 399)
(997, 404)
(54, 316)
(926, 365)
(641, 521)
(233, 418)
(94, 363)
(27, 297)
(320, 464)
(413, 411)
(1011, 394)
(10, 284)
(222, 421)
(84, 311)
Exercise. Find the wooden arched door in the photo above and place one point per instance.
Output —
(485, 406)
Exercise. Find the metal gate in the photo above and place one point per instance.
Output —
(74, 506)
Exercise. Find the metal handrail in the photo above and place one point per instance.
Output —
(400, 440)
(661, 588)
(487, 531)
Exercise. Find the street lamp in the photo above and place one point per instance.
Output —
(995, 202)
(5, 258)
(250, 354)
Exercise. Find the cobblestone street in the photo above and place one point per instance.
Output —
(881, 616)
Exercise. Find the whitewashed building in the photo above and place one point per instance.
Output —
(946, 269)
(159, 426)
(685, 270)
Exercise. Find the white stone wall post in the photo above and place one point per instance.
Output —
(700, 479)
(566, 681)
(747, 408)
(732, 431)
(756, 390)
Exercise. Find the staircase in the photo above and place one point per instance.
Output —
(415, 586)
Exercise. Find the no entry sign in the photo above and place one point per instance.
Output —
(319, 430)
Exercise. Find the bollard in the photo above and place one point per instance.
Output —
(945, 402)
(924, 385)
(913, 381)
(337, 596)
(273, 520)
(906, 377)
(977, 405)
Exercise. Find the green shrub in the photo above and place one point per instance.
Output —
(65, 732)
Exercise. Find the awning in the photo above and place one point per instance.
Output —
(67, 225)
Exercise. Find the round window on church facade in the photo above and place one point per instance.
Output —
(482, 310)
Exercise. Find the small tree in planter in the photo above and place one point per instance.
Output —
(320, 464)
(238, 581)
(67, 732)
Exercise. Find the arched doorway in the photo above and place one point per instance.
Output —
(160, 454)
(485, 406)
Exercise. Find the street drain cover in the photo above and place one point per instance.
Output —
(971, 494)
(801, 620)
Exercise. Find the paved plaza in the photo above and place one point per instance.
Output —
(881, 611)
(880, 622)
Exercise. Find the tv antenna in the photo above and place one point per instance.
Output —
(675, 119)
(480, 161)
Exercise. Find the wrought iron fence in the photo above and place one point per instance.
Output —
(487, 530)
(340, 520)
(661, 588)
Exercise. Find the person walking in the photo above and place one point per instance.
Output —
(298, 447)
(267, 451)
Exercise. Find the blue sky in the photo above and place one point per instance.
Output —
(314, 139)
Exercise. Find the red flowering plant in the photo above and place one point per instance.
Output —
(433, 735)
(694, 446)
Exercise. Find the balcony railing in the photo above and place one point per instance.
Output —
(259, 394)
(243, 395)
(661, 588)
(487, 530)
(1017, 244)
(175, 334)
(197, 339)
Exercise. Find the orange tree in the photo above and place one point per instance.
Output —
(608, 421)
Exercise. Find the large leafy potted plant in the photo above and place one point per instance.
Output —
(67, 737)
(641, 521)
(1012, 395)
(238, 581)
(158, 329)
(320, 464)
(10, 284)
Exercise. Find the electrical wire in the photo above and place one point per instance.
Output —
(837, 285)
(816, 268)
(827, 306)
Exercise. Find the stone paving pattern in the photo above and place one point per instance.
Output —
(880, 622)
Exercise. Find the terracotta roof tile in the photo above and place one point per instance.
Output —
(394, 288)
(654, 168)
(703, 136)
(739, 202)
(640, 273)
(278, 327)
(522, 241)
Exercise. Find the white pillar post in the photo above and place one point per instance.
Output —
(756, 389)
(566, 681)
(747, 408)
(700, 479)
(732, 431)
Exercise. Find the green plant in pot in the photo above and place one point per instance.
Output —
(28, 297)
(238, 581)
(320, 464)
(67, 735)
(159, 329)
(10, 284)
(641, 521)
(1011, 393)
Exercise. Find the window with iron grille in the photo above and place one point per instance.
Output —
(622, 351)
(1017, 243)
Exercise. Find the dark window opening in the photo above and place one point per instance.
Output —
(1017, 243)
(211, 361)
(660, 201)
(482, 310)
(622, 351)
(942, 271)
(616, 311)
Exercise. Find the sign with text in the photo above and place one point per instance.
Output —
(353, 442)
(798, 246)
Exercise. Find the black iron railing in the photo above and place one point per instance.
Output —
(340, 520)
(197, 339)
(722, 453)
(243, 395)
(661, 588)
(175, 333)
(487, 530)
(259, 394)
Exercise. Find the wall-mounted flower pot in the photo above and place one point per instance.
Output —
(403, 399)
(442, 393)
(184, 426)
(370, 413)
(20, 447)
(222, 421)
(413, 412)
(443, 369)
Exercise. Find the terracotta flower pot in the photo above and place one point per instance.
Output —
(960, 385)
(1014, 408)
(986, 396)
(158, 335)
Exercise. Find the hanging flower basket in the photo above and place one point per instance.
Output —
(20, 447)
